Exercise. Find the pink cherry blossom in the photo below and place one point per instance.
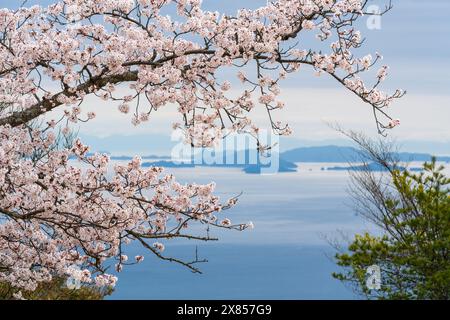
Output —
(57, 214)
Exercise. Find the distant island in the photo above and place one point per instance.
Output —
(345, 154)
(168, 164)
(250, 163)
(126, 158)
(143, 157)
(251, 167)
(370, 166)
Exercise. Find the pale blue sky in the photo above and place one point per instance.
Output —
(414, 40)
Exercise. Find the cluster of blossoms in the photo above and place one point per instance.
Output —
(56, 215)
(90, 47)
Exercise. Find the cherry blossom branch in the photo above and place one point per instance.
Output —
(161, 61)
(55, 214)
(67, 213)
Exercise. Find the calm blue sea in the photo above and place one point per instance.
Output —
(286, 256)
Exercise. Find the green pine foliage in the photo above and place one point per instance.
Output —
(413, 249)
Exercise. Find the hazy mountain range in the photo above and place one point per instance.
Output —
(159, 144)
(287, 161)
(330, 153)
(345, 154)
(250, 162)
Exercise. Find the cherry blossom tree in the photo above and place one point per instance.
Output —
(57, 214)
